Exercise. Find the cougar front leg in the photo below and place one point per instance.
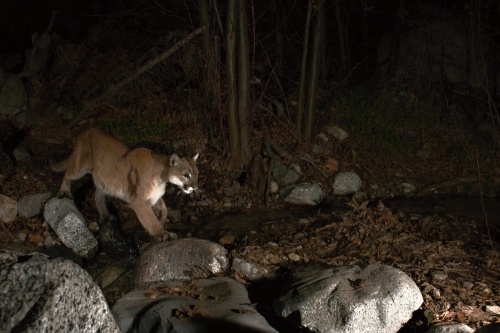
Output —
(149, 221)
(160, 210)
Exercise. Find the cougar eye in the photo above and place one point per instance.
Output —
(187, 175)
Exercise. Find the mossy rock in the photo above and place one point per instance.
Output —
(12, 95)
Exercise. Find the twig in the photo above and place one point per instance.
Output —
(7, 231)
(87, 105)
(308, 160)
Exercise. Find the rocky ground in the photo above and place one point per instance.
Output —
(453, 259)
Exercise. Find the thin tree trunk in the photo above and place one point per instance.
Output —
(244, 85)
(303, 71)
(314, 73)
(232, 94)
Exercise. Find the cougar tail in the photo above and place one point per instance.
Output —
(59, 166)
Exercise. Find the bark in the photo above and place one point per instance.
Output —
(314, 72)
(244, 86)
(232, 94)
(303, 71)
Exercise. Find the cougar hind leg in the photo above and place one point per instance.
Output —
(100, 203)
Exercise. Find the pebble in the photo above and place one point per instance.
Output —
(293, 256)
(439, 276)
(227, 239)
(468, 285)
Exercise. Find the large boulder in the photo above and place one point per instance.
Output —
(208, 305)
(375, 298)
(39, 294)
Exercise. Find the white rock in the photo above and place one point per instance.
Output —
(451, 328)
(376, 298)
(8, 209)
(347, 182)
(337, 132)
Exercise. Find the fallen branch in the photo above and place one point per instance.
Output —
(87, 105)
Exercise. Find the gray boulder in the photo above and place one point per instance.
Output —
(8, 209)
(250, 271)
(305, 194)
(12, 95)
(208, 305)
(375, 298)
(50, 295)
(284, 175)
(346, 182)
(69, 224)
(31, 205)
(180, 260)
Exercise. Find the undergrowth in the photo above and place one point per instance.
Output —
(134, 131)
(399, 125)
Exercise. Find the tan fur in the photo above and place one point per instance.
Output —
(137, 176)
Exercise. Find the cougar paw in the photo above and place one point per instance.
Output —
(167, 236)
(62, 195)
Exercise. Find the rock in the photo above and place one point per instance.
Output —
(302, 194)
(208, 305)
(337, 132)
(345, 183)
(21, 154)
(31, 205)
(12, 95)
(284, 175)
(451, 328)
(274, 187)
(111, 274)
(492, 310)
(375, 298)
(227, 239)
(408, 188)
(8, 209)
(438, 276)
(180, 260)
(50, 295)
(250, 271)
(69, 224)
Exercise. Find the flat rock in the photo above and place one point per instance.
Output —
(305, 194)
(180, 260)
(31, 205)
(210, 305)
(375, 298)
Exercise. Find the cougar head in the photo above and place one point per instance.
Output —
(184, 173)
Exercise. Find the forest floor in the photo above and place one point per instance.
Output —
(414, 146)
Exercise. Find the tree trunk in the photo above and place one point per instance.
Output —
(303, 71)
(232, 93)
(244, 86)
(315, 69)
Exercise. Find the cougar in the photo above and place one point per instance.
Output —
(136, 176)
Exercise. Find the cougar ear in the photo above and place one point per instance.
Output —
(174, 159)
(195, 157)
